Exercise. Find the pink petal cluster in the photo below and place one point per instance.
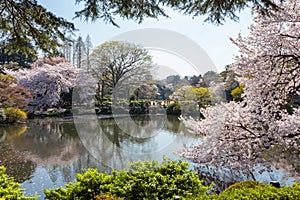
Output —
(240, 134)
(47, 79)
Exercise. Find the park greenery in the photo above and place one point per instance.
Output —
(149, 180)
(117, 74)
(27, 26)
(247, 116)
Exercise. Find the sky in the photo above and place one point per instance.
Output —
(213, 39)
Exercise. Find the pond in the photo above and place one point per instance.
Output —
(47, 153)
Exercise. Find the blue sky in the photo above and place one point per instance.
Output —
(212, 38)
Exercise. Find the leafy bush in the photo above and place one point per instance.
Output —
(105, 107)
(143, 180)
(255, 190)
(15, 115)
(173, 109)
(108, 197)
(237, 92)
(139, 107)
(10, 189)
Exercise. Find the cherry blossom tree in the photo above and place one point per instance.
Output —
(47, 79)
(266, 124)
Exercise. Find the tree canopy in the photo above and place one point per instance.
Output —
(120, 64)
(26, 21)
(47, 80)
(137, 10)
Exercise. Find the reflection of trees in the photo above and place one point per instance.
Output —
(116, 143)
(120, 140)
(9, 132)
(173, 124)
(50, 142)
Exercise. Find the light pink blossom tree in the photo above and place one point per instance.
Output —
(47, 79)
(266, 124)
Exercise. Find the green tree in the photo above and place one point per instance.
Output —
(17, 58)
(25, 21)
(209, 78)
(120, 64)
(137, 10)
(204, 96)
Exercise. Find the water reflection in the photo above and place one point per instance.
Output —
(48, 153)
(115, 142)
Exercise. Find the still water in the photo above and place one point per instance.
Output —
(47, 153)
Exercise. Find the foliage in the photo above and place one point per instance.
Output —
(173, 109)
(15, 115)
(105, 107)
(139, 107)
(107, 197)
(10, 189)
(17, 58)
(143, 180)
(255, 190)
(47, 79)
(230, 82)
(204, 96)
(145, 91)
(238, 135)
(184, 93)
(217, 10)
(12, 95)
(120, 66)
(25, 21)
(237, 92)
(210, 78)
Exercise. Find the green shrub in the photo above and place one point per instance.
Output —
(15, 115)
(105, 107)
(10, 189)
(143, 180)
(237, 92)
(108, 197)
(259, 191)
(244, 184)
(173, 109)
(139, 107)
